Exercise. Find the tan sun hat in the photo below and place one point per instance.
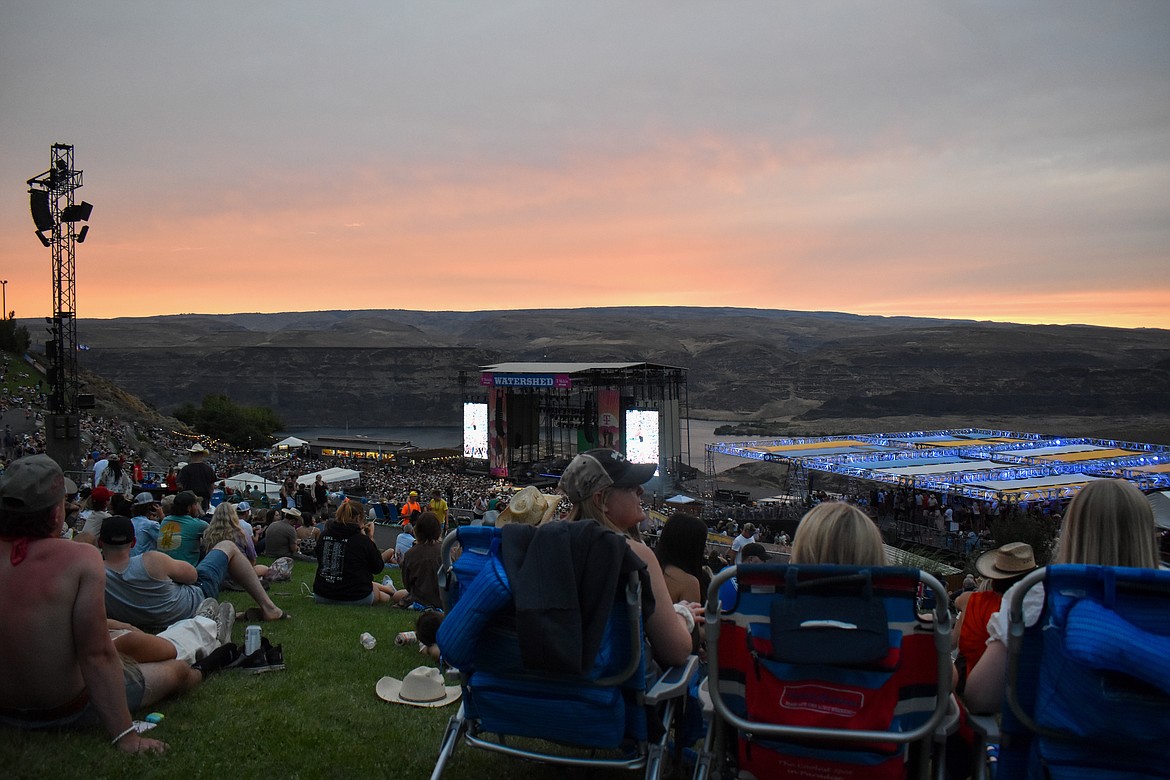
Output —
(422, 687)
(1010, 560)
(530, 507)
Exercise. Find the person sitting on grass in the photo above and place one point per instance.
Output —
(147, 516)
(403, 542)
(180, 532)
(61, 669)
(154, 590)
(420, 564)
(225, 526)
(346, 560)
(280, 538)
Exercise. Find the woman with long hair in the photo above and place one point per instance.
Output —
(681, 549)
(1108, 523)
(347, 559)
(225, 526)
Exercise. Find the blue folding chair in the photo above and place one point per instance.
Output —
(603, 715)
(1088, 687)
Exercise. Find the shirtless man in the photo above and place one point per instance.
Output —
(60, 667)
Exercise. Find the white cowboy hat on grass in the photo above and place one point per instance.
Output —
(422, 687)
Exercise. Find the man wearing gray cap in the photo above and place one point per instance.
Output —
(60, 667)
(147, 517)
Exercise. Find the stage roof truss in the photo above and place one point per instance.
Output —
(1013, 457)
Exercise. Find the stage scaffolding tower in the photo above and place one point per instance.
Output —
(56, 212)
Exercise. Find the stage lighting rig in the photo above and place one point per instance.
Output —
(56, 214)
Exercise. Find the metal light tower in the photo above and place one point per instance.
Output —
(54, 210)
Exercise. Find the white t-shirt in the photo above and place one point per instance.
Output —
(737, 544)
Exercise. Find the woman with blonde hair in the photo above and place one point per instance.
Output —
(225, 526)
(1108, 523)
(836, 532)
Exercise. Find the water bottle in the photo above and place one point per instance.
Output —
(367, 640)
(251, 639)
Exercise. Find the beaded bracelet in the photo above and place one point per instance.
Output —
(118, 738)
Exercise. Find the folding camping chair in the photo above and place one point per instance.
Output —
(1088, 690)
(824, 671)
(599, 717)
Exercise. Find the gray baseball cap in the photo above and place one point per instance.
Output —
(598, 469)
(34, 482)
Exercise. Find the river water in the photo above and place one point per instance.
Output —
(702, 432)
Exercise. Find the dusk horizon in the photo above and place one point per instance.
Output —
(975, 161)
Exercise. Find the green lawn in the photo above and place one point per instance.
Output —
(320, 718)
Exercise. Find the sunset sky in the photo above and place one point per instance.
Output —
(998, 159)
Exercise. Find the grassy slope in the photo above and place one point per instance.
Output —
(318, 718)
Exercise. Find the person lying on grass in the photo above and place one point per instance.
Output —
(156, 590)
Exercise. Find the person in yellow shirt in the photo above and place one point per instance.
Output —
(439, 506)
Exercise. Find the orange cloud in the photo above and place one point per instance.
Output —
(702, 221)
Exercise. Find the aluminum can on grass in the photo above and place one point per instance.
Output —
(251, 639)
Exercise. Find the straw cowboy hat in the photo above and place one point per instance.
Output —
(1011, 560)
(422, 687)
(530, 507)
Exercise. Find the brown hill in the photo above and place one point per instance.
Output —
(380, 368)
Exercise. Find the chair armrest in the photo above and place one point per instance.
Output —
(673, 682)
(985, 726)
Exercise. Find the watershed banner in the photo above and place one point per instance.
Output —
(498, 432)
(553, 381)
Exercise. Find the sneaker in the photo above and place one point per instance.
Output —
(208, 608)
(225, 621)
(266, 659)
(220, 658)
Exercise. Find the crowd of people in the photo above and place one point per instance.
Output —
(148, 565)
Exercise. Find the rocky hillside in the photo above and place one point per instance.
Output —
(378, 368)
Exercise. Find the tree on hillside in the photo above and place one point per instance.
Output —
(221, 418)
(13, 337)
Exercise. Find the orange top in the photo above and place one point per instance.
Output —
(973, 638)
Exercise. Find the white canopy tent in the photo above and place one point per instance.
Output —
(333, 476)
(291, 441)
(243, 479)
